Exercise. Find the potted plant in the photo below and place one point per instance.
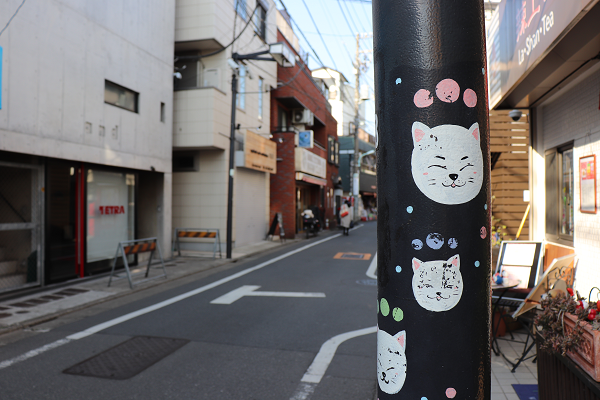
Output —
(570, 326)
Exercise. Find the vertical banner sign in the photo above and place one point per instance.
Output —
(434, 201)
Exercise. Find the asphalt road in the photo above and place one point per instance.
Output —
(256, 345)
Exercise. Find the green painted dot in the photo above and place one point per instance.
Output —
(384, 307)
(398, 314)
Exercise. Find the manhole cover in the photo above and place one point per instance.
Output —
(367, 282)
(127, 359)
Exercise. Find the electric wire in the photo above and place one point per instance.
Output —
(322, 40)
(346, 18)
(11, 18)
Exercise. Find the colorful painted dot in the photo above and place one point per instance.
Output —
(384, 307)
(452, 243)
(409, 209)
(477, 264)
(447, 90)
(422, 398)
(483, 71)
(399, 80)
(450, 393)
(435, 240)
(398, 269)
(483, 232)
(417, 244)
(398, 314)
(485, 206)
(470, 98)
(423, 98)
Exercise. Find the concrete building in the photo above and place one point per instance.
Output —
(341, 98)
(207, 33)
(305, 132)
(85, 135)
(544, 59)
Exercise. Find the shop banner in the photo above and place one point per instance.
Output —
(110, 206)
(310, 163)
(520, 34)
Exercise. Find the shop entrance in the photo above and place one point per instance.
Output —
(20, 225)
(307, 197)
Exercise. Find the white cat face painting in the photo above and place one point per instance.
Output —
(437, 285)
(391, 361)
(447, 163)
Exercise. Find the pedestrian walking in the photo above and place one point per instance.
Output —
(346, 217)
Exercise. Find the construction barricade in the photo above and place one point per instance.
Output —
(129, 247)
(199, 234)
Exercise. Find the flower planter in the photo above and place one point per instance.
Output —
(588, 354)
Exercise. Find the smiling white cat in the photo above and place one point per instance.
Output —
(437, 285)
(447, 163)
(391, 361)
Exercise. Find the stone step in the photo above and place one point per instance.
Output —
(8, 267)
(8, 281)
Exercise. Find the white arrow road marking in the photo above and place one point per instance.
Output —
(250, 290)
(100, 327)
(317, 369)
(372, 270)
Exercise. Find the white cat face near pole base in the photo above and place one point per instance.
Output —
(447, 163)
(391, 361)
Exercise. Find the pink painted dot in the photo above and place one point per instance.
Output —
(450, 393)
(425, 173)
(423, 98)
(447, 90)
(470, 98)
(483, 232)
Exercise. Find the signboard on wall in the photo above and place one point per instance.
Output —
(260, 153)
(587, 184)
(306, 139)
(310, 163)
(520, 33)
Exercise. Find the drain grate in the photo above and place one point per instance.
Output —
(352, 256)
(127, 359)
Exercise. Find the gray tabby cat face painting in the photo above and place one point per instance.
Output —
(447, 163)
(437, 285)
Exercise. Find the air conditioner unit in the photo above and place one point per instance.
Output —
(303, 116)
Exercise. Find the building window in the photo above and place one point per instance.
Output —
(261, 87)
(559, 194)
(260, 25)
(241, 8)
(187, 69)
(162, 112)
(185, 161)
(120, 96)
(241, 96)
(331, 150)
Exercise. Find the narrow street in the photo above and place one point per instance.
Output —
(251, 330)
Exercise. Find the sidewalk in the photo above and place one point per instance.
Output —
(32, 309)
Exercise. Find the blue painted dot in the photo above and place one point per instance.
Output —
(452, 243)
(485, 206)
(435, 240)
(417, 244)
(398, 269)
(423, 398)
(399, 80)
(483, 71)
(477, 263)
(409, 209)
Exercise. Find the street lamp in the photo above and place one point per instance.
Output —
(283, 55)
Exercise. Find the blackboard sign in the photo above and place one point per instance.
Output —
(277, 220)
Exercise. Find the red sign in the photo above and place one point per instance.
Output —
(109, 210)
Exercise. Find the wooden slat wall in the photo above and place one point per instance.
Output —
(510, 175)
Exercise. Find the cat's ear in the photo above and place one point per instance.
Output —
(454, 260)
(474, 130)
(401, 338)
(419, 130)
(416, 264)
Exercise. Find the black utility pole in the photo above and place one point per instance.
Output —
(434, 202)
(234, 82)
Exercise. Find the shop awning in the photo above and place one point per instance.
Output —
(301, 176)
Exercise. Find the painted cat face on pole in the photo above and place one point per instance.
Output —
(391, 361)
(447, 165)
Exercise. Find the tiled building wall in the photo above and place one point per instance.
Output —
(283, 184)
(575, 116)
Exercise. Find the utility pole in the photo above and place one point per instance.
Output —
(355, 163)
(234, 82)
(434, 200)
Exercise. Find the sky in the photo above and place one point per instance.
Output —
(338, 22)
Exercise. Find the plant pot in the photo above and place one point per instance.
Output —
(588, 354)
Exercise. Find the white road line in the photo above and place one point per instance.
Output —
(319, 366)
(154, 307)
(250, 290)
(372, 270)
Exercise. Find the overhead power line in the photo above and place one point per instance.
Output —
(322, 40)
(11, 18)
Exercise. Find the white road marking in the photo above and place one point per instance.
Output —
(154, 307)
(372, 270)
(319, 366)
(250, 290)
